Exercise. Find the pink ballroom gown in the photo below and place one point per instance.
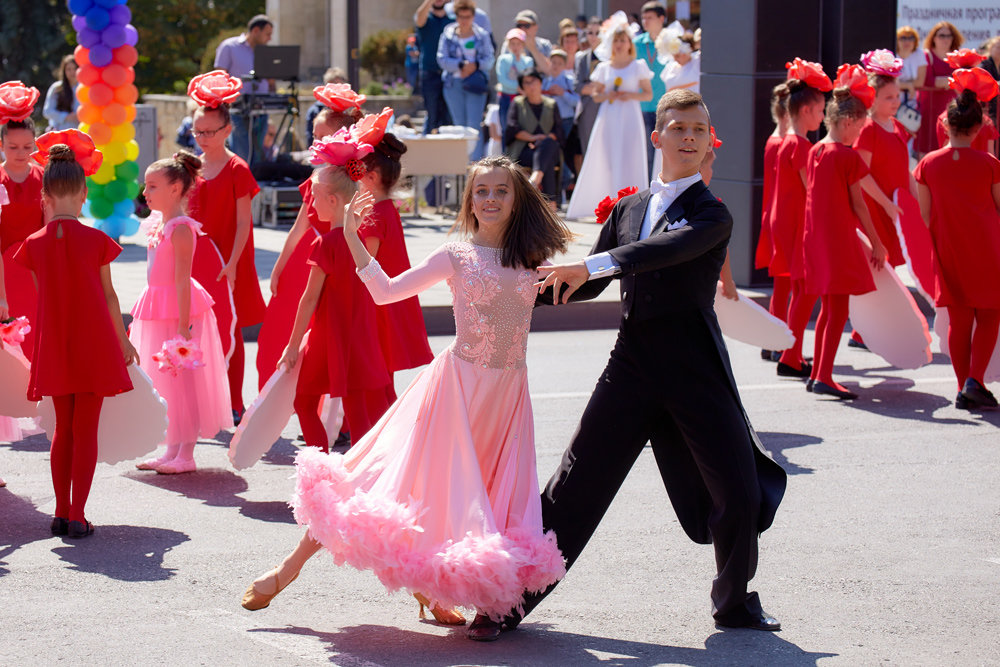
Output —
(441, 495)
(197, 399)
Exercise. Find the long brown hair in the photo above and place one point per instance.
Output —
(64, 98)
(534, 233)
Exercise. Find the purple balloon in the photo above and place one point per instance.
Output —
(79, 23)
(98, 18)
(100, 55)
(113, 36)
(88, 38)
(120, 14)
(131, 35)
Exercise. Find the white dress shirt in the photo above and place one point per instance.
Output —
(663, 195)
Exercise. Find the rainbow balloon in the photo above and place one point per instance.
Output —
(106, 57)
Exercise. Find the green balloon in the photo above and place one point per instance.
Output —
(132, 187)
(94, 190)
(127, 171)
(116, 191)
(100, 207)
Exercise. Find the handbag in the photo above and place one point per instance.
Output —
(909, 116)
(476, 83)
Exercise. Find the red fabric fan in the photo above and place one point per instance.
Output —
(855, 78)
(977, 80)
(338, 96)
(964, 58)
(214, 89)
(605, 206)
(83, 147)
(716, 141)
(370, 129)
(811, 74)
(17, 101)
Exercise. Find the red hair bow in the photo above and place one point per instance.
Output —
(214, 89)
(17, 101)
(977, 80)
(83, 148)
(716, 141)
(338, 96)
(370, 129)
(855, 78)
(603, 209)
(809, 73)
(964, 58)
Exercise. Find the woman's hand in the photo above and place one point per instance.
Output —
(879, 255)
(289, 357)
(228, 272)
(355, 212)
(184, 331)
(274, 283)
(129, 353)
(4, 309)
(729, 289)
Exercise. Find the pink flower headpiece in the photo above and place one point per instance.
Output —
(338, 96)
(716, 141)
(17, 101)
(964, 58)
(605, 206)
(341, 150)
(213, 89)
(809, 73)
(371, 128)
(83, 148)
(977, 80)
(854, 78)
(882, 61)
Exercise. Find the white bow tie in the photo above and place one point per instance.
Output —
(663, 189)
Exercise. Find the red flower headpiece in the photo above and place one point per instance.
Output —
(811, 74)
(855, 78)
(977, 80)
(338, 96)
(83, 147)
(17, 101)
(882, 61)
(341, 150)
(716, 141)
(603, 209)
(371, 128)
(964, 58)
(215, 88)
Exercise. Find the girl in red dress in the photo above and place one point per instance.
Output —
(959, 192)
(22, 215)
(835, 263)
(81, 349)
(221, 200)
(765, 247)
(806, 84)
(342, 357)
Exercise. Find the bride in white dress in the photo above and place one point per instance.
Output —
(616, 152)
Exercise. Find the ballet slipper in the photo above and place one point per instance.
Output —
(442, 616)
(254, 600)
(153, 464)
(177, 466)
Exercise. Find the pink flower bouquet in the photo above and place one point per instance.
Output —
(12, 331)
(178, 354)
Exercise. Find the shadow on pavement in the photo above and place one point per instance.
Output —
(22, 524)
(125, 553)
(776, 443)
(537, 644)
(38, 442)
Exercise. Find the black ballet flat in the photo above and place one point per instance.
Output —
(809, 384)
(60, 526)
(824, 388)
(787, 371)
(483, 629)
(78, 529)
(237, 417)
(857, 344)
(977, 396)
(766, 354)
(962, 403)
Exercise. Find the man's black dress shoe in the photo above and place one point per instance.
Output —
(59, 526)
(824, 388)
(977, 396)
(788, 371)
(762, 622)
(483, 629)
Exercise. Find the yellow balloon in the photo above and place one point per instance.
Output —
(85, 128)
(132, 150)
(123, 133)
(106, 173)
(115, 153)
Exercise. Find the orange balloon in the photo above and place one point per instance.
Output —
(114, 114)
(125, 55)
(101, 94)
(88, 113)
(129, 114)
(100, 133)
(81, 56)
(115, 75)
(83, 94)
(126, 95)
(88, 75)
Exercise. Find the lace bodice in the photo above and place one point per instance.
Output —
(492, 303)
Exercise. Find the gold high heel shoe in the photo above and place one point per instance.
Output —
(442, 616)
(254, 600)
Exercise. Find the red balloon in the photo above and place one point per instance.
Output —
(100, 133)
(125, 55)
(126, 95)
(82, 56)
(88, 113)
(114, 114)
(101, 95)
(88, 75)
(115, 75)
(83, 94)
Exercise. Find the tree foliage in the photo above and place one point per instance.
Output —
(34, 36)
(383, 54)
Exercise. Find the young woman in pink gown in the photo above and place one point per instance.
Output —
(441, 496)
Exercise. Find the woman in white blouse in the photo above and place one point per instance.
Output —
(60, 100)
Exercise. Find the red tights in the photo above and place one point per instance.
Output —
(799, 310)
(971, 349)
(829, 327)
(779, 297)
(74, 452)
(362, 408)
(235, 371)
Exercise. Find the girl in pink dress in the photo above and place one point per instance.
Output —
(173, 306)
(441, 497)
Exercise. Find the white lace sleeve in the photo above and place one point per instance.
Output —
(435, 268)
